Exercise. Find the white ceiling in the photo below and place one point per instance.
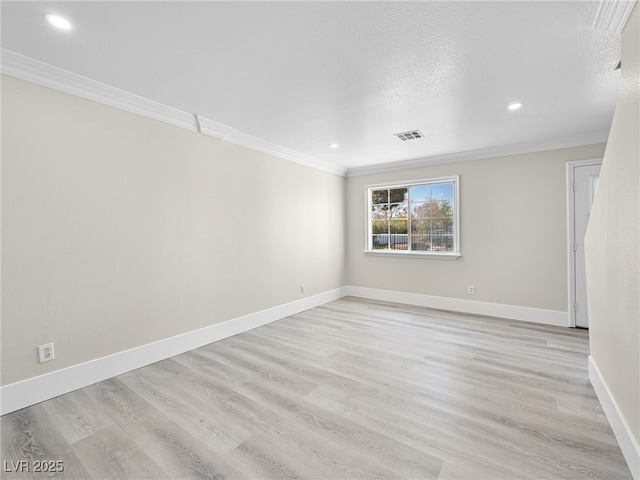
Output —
(303, 75)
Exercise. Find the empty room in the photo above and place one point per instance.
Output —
(320, 240)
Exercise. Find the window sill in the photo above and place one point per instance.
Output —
(433, 256)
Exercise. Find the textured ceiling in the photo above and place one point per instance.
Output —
(303, 75)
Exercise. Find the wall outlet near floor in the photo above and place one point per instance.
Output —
(46, 353)
(471, 290)
(302, 289)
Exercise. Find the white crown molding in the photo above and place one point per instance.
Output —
(245, 140)
(612, 15)
(35, 71)
(213, 128)
(41, 73)
(590, 138)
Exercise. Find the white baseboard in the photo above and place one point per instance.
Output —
(37, 389)
(34, 390)
(512, 312)
(628, 444)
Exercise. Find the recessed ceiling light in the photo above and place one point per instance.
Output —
(333, 145)
(58, 21)
(514, 106)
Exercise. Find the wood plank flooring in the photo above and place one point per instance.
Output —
(352, 389)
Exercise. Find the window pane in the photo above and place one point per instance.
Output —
(380, 196)
(379, 226)
(379, 212)
(420, 218)
(442, 191)
(444, 208)
(420, 242)
(441, 226)
(398, 210)
(420, 227)
(399, 242)
(398, 226)
(420, 193)
(380, 242)
(442, 243)
(398, 195)
(423, 210)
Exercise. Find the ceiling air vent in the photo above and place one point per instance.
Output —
(410, 135)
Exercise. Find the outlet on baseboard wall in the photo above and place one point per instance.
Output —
(301, 289)
(471, 290)
(46, 352)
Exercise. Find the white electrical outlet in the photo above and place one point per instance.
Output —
(302, 289)
(471, 290)
(46, 353)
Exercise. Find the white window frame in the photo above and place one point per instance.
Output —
(455, 179)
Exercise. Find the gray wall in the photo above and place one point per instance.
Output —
(513, 225)
(613, 244)
(118, 230)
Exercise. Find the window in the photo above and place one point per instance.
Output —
(418, 218)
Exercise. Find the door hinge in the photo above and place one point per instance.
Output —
(575, 306)
(574, 186)
(575, 247)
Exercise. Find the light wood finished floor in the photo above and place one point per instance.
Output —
(352, 389)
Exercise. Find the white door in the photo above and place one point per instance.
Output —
(584, 190)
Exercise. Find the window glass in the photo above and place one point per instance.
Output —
(418, 217)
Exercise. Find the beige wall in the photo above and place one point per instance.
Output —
(513, 233)
(118, 230)
(613, 244)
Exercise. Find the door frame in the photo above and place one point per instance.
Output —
(571, 270)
